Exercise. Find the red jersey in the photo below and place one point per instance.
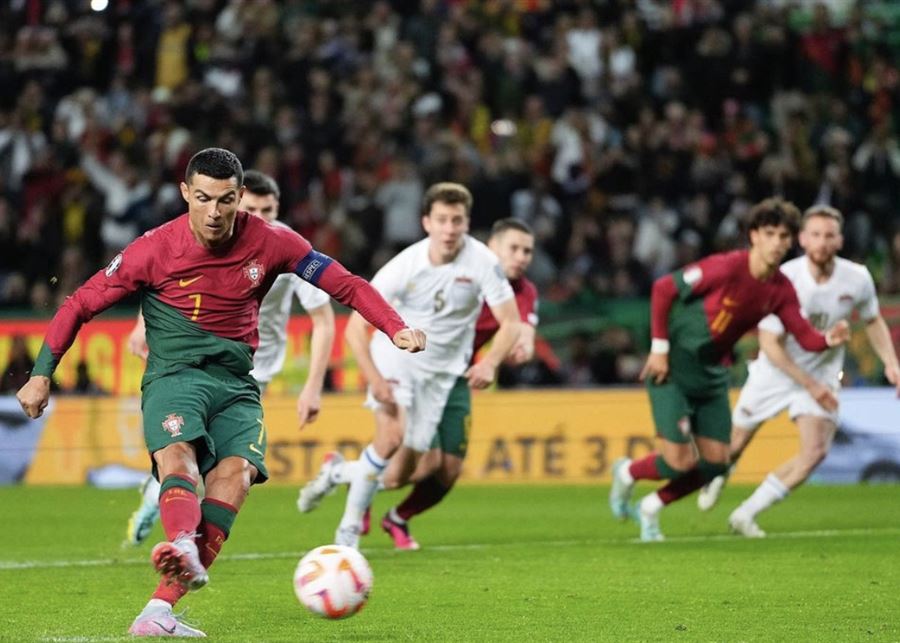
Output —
(526, 299)
(209, 291)
(733, 302)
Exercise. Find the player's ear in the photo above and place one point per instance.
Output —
(185, 191)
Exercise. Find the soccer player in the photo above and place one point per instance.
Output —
(439, 282)
(261, 198)
(785, 376)
(440, 467)
(697, 314)
(202, 277)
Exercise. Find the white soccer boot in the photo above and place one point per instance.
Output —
(158, 619)
(710, 493)
(141, 522)
(743, 523)
(620, 492)
(649, 521)
(313, 491)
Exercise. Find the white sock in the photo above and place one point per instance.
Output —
(363, 487)
(151, 492)
(624, 475)
(651, 503)
(770, 491)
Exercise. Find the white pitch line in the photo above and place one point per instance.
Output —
(9, 565)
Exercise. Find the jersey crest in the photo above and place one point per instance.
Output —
(254, 271)
(172, 424)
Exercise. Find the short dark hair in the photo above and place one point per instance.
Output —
(446, 192)
(216, 163)
(824, 211)
(502, 225)
(261, 184)
(774, 211)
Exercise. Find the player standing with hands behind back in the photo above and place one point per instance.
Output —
(697, 315)
(202, 277)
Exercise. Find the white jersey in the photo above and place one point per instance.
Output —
(274, 312)
(444, 301)
(849, 288)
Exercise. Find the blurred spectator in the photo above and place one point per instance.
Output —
(18, 367)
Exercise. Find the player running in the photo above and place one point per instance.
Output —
(785, 376)
(439, 282)
(261, 198)
(697, 315)
(202, 277)
(440, 467)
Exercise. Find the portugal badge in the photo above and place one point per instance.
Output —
(254, 271)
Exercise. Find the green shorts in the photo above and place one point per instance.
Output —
(678, 415)
(218, 412)
(453, 430)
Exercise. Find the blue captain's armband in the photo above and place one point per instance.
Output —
(311, 267)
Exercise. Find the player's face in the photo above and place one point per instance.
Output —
(515, 250)
(212, 206)
(771, 243)
(821, 239)
(446, 224)
(264, 206)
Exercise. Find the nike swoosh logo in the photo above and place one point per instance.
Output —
(256, 451)
(170, 630)
(728, 301)
(188, 282)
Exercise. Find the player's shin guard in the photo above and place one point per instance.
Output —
(424, 495)
(179, 506)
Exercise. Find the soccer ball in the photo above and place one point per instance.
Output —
(333, 581)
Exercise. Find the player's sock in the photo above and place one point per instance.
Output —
(651, 467)
(218, 518)
(691, 481)
(179, 506)
(652, 503)
(363, 487)
(770, 491)
(681, 486)
(424, 495)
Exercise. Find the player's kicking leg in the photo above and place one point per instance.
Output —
(141, 522)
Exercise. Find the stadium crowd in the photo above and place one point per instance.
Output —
(631, 134)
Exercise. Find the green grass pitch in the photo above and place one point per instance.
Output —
(537, 563)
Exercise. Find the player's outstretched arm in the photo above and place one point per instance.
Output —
(34, 396)
(880, 338)
(322, 339)
(772, 345)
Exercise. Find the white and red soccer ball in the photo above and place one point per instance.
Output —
(333, 581)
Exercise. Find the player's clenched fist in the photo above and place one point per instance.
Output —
(409, 339)
(34, 396)
(838, 334)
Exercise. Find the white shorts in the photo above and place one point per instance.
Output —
(763, 397)
(422, 394)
